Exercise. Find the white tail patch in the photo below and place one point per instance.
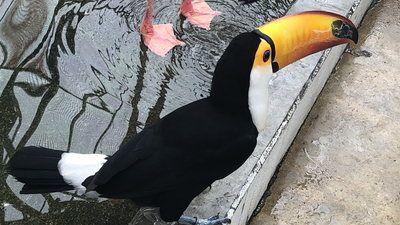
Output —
(75, 168)
(258, 95)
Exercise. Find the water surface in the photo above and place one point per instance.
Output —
(76, 76)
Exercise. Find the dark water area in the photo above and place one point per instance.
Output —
(76, 76)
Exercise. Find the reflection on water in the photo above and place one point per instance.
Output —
(75, 76)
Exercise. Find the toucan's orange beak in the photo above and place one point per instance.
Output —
(298, 35)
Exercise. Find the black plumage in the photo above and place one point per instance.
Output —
(36, 167)
(172, 161)
(175, 159)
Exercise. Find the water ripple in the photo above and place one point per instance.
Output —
(91, 83)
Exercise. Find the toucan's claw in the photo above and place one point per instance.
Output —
(213, 220)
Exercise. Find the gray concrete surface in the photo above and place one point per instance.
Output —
(344, 165)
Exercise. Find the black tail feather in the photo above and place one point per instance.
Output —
(36, 158)
(38, 189)
(41, 181)
(35, 174)
(36, 167)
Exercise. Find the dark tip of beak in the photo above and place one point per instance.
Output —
(275, 67)
(342, 29)
(246, 2)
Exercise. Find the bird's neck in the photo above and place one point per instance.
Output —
(231, 80)
(243, 93)
(231, 96)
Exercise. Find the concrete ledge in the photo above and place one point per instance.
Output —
(257, 181)
(293, 91)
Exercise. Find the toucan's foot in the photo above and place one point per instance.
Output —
(198, 13)
(214, 220)
(358, 52)
(147, 216)
(160, 39)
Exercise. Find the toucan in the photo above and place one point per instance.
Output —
(172, 161)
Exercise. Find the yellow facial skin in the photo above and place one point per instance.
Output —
(298, 35)
(261, 55)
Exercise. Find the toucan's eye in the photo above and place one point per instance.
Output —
(266, 55)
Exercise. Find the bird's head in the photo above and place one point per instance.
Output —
(242, 74)
(290, 38)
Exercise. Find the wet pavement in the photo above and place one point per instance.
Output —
(344, 165)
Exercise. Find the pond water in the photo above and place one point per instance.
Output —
(76, 76)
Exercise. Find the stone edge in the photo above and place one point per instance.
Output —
(257, 181)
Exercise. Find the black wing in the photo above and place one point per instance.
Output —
(193, 146)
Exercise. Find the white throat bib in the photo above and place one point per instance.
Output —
(258, 95)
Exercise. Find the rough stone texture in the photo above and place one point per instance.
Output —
(344, 166)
